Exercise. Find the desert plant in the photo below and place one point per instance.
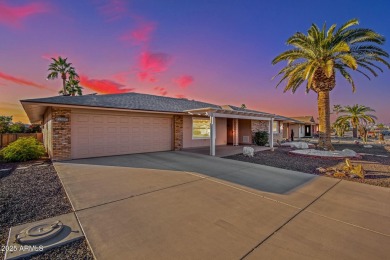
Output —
(319, 55)
(23, 149)
(260, 138)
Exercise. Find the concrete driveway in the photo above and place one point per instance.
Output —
(178, 205)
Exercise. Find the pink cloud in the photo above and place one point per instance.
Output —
(14, 15)
(151, 63)
(154, 61)
(21, 81)
(104, 86)
(184, 81)
(141, 34)
(160, 90)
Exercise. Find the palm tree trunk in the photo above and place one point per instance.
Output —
(354, 132)
(324, 120)
(63, 76)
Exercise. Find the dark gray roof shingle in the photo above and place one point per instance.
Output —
(133, 101)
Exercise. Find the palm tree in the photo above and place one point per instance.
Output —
(336, 109)
(317, 56)
(357, 116)
(61, 67)
(73, 87)
(341, 127)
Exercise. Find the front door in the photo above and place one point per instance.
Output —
(307, 130)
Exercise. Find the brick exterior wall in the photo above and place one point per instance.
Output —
(61, 134)
(259, 125)
(178, 133)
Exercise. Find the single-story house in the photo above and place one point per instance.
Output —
(302, 126)
(104, 125)
(307, 127)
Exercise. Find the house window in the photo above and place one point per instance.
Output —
(200, 128)
(275, 127)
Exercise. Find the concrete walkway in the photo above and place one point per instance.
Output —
(225, 150)
(178, 205)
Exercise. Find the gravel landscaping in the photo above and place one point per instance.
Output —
(375, 161)
(30, 192)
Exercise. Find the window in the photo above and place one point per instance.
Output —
(275, 127)
(200, 128)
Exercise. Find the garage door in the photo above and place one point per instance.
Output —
(96, 135)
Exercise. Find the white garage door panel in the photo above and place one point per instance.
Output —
(103, 135)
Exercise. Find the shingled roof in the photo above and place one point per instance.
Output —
(132, 101)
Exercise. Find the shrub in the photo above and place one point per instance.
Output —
(261, 138)
(23, 149)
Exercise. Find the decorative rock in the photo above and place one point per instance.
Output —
(349, 153)
(248, 151)
(321, 170)
(299, 145)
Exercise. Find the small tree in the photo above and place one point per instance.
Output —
(380, 126)
(357, 115)
(341, 127)
(23, 149)
(34, 128)
(260, 138)
(5, 122)
(17, 127)
(73, 87)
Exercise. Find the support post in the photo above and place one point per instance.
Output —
(212, 135)
(271, 133)
(235, 129)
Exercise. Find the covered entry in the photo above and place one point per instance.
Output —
(234, 117)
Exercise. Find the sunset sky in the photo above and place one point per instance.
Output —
(217, 51)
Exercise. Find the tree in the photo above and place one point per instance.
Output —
(243, 106)
(61, 67)
(17, 127)
(5, 122)
(73, 87)
(34, 128)
(317, 56)
(357, 116)
(381, 126)
(336, 109)
(341, 127)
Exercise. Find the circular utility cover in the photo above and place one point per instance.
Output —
(39, 233)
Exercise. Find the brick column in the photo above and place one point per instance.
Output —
(61, 134)
(178, 132)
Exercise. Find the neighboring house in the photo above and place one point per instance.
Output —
(104, 125)
(303, 126)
